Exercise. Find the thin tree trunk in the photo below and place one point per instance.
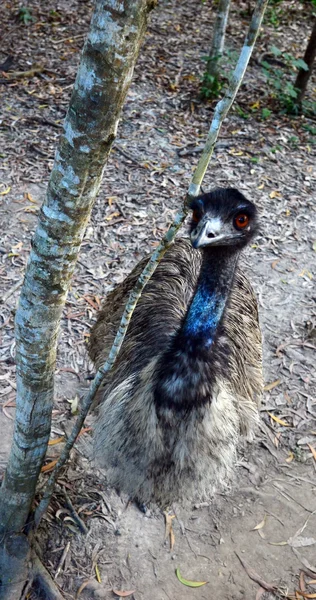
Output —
(309, 57)
(224, 105)
(103, 78)
(218, 38)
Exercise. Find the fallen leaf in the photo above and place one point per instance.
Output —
(6, 191)
(274, 263)
(168, 530)
(82, 587)
(304, 561)
(278, 543)
(172, 539)
(123, 594)
(91, 302)
(290, 457)
(17, 246)
(278, 420)
(84, 430)
(300, 541)
(302, 582)
(97, 573)
(275, 194)
(187, 582)
(255, 577)
(31, 209)
(235, 152)
(305, 594)
(49, 466)
(272, 385)
(112, 216)
(306, 272)
(262, 535)
(56, 441)
(261, 524)
(260, 593)
(74, 402)
(313, 451)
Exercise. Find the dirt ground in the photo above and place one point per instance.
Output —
(260, 534)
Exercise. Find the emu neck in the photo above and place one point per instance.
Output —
(206, 310)
(189, 368)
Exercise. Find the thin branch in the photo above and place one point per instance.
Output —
(218, 37)
(225, 104)
(221, 111)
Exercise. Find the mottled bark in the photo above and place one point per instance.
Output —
(309, 58)
(218, 40)
(103, 78)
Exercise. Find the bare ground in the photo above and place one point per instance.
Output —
(273, 162)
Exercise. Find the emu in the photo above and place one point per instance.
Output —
(188, 379)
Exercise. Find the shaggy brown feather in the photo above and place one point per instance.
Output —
(173, 455)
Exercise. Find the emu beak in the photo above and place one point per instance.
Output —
(207, 233)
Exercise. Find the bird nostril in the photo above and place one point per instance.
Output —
(211, 235)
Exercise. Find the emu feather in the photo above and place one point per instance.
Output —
(188, 378)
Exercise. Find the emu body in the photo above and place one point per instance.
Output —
(188, 378)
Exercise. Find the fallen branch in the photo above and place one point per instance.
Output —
(22, 74)
(43, 580)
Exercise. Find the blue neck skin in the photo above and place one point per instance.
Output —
(204, 314)
(209, 300)
(181, 380)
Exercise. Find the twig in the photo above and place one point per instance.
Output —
(126, 155)
(11, 291)
(70, 37)
(225, 104)
(42, 121)
(62, 560)
(288, 496)
(82, 526)
(255, 577)
(310, 570)
(21, 74)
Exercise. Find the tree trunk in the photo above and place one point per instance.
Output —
(218, 38)
(309, 57)
(102, 81)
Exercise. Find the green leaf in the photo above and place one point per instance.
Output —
(301, 64)
(276, 51)
(193, 584)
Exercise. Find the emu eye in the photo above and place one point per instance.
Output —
(241, 221)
